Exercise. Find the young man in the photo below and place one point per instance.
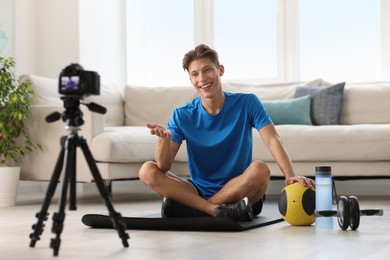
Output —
(217, 127)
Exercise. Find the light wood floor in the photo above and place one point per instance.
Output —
(279, 241)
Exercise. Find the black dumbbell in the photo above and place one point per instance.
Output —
(348, 212)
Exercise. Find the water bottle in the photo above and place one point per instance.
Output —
(324, 195)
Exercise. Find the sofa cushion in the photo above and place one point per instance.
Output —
(304, 143)
(46, 93)
(366, 103)
(326, 102)
(124, 144)
(363, 142)
(45, 90)
(271, 91)
(264, 91)
(111, 98)
(289, 111)
(154, 104)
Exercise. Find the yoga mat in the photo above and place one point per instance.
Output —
(155, 222)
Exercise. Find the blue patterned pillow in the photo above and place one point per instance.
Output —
(294, 111)
(326, 102)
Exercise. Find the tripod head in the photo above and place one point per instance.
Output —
(73, 116)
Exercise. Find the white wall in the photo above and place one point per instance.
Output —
(46, 35)
(49, 35)
(25, 43)
(6, 27)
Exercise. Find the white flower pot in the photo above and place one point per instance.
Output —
(9, 181)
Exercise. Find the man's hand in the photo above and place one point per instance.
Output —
(160, 131)
(307, 182)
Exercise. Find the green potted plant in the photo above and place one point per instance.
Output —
(15, 102)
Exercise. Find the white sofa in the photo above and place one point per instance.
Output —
(358, 146)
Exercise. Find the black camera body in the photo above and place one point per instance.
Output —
(74, 80)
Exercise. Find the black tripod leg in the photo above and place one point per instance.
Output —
(58, 218)
(116, 217)
(72, 188)
(42, 215)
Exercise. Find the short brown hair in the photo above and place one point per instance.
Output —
(200, 51)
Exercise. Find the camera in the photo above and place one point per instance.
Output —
(74, 80)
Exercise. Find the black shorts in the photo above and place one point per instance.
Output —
(197, 190)
(257, 207)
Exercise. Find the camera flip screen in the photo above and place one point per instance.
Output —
(70, 83)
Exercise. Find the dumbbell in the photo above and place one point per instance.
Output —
(348, 212)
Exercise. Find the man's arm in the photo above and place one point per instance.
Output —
(166, 150)
(275, 145)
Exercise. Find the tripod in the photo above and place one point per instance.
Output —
(73, 117)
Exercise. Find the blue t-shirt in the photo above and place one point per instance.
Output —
(219, 147)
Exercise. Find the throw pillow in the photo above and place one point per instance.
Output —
(326, 102)
(294, 111)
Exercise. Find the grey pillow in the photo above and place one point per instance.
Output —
(326, 102)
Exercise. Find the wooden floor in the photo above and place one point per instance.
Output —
(278, 241)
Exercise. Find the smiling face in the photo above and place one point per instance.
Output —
(205, 76)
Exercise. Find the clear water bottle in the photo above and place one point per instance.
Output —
(324, 195)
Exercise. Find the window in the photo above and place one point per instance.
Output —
(340, 40)
(246, 38)
(158, 34)
(259, 40)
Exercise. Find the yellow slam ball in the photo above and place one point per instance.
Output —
(297, 204)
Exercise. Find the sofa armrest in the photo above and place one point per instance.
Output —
(38, 165)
